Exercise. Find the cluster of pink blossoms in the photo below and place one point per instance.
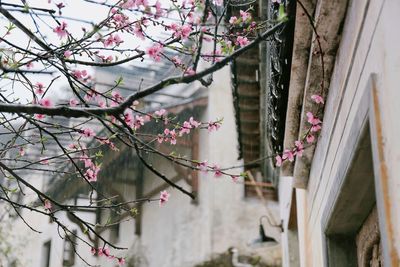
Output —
(105, 252)
(164, 197)
(170, 135)
(290, 154)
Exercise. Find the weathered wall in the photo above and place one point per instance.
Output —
(369, 46)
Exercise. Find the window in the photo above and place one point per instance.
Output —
(46, 254)
(69, 249)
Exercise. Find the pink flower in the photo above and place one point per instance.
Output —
(288, 154)
(172, 136)
(176, 60)
(159, 11)
(44, 161)
(109, 41)
(190, 71)
(299, 148)
(21, 151)
(242, 41)
(47, 205)
(67, 53)
(100, 251)
(45, 102)
(39, 88)
(91, 176)
(315, 128)
(121, 261)
(39, 116)
(310, 138)
(73, 102)
(139, 121)
(117, 40)
(213, 126)
(155, 52)
(317, 99)
(79, 74)
(88, 162)
(93, 251)
(233, 20)
(185, 128)
(164, 196)
(60, 30)
(203, 166)
(87, 132)
(217, 171)
(160, 112)
(245, 15)
(235, 178)
(194, 123)
(313, 120)
(29, 65)
(117, 97)
(278, 161)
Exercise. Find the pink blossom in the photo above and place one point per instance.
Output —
(47, 205)
(39, 88)
(299, 148)
(160, 112)
(117, 97)
(310, 138)
(109, 41)
(242, 41)
(288, 154)
(60, 30)
(160, 138)
(73, 102)
(185, 128)
(159, 11)
(233, 20)
(245, 15)
(164, 197)
(194, 123)
(67, 53)
(217, 171)
(315, 128)
(176, 60)
(91, 175)
(313, 120)
(21, 151)
(155, 52)
(100, 251)
(172, 135)
(106, 252)
(87, 132)
(278, 160)
(235, 178)
(317, 99)
(213, 126)
(139, 121)
(39, 116)
(44, 161)
(117, 40)
(72, 146)
(79, 74)
(121, 261)
(190, 71)
(29, 65)
(203, 166)
(45, 102)
(93, 251)
(88, 162)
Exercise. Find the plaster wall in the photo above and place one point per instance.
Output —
(368, 46)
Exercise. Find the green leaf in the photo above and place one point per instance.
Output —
(282, 16)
